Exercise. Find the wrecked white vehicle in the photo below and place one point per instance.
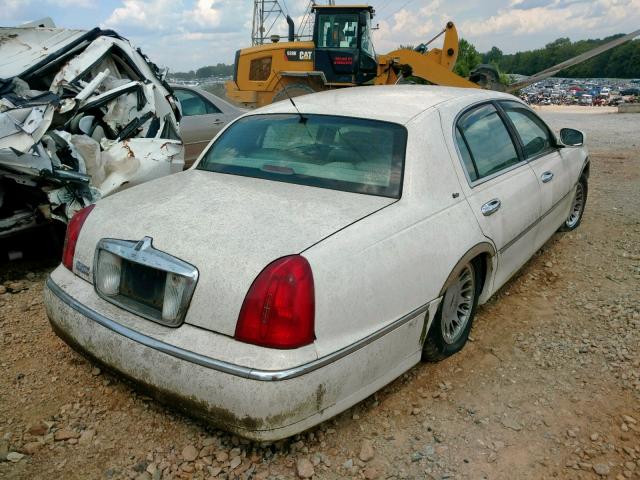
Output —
(82, 115)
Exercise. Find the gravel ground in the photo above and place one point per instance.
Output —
(607, 131)
(548, 386)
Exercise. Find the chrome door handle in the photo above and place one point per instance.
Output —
(218, 122)
(490, 207)
(546, 177)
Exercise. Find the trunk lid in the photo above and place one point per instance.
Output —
(229, 227)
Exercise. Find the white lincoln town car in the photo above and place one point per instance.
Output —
(315, 251)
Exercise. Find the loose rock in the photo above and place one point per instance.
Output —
(65, 434)
(235, 462)
(189, 453)
(86, 437)
(370, 473)
(366, 451)
(222, 457)
(31, 447)
(38, 429)
(512, 424)
(14, 456)
(304, 468)
(601, 469)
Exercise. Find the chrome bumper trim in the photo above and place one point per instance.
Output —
(220, 365)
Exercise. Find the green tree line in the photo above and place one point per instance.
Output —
(219, 70)
(620, 62)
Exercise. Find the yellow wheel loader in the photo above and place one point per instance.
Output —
(341, 55)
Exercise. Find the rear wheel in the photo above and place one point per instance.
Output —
(577, 207)
(452, 324)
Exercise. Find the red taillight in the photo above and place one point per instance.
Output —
(71, 238)
(279, 309)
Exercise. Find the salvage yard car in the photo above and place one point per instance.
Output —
(83, 114)
(316, 251)
(203, 116)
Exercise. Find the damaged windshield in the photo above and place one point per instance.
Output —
(339, 153)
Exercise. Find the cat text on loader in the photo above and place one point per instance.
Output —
(341, 54)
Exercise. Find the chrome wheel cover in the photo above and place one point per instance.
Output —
(576, 208)
(457, 305)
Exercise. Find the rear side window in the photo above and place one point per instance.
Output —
(193, 104)
(485, 143)
(339, 153)
(469, 166)
(533, 133)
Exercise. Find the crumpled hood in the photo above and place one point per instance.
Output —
(229, 227)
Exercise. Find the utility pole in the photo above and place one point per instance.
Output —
(305, 31)
(266, 13)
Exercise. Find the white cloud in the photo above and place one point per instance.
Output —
(512, 25)
(204, 14)
(519, 21)
(410, 26)
(558, 16)
(11, 8)
(150, 15)
(184, 35)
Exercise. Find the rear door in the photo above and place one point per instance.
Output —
(502, 189)
(201, 121)
(539, 149)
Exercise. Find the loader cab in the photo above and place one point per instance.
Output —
(344, 49)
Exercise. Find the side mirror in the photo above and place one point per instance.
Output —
(571, 137)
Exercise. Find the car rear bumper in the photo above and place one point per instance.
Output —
(257, 404)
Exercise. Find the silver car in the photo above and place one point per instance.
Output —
(203, 116)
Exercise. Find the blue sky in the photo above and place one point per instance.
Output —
(187, 34)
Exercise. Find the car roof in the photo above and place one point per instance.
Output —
(206, 93)
(393, 103)
(24, 47)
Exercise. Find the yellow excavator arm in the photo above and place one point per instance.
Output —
(435, 66)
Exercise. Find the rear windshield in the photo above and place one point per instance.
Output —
(339, 153)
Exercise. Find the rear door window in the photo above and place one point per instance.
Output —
(485, 143)
(193, 104)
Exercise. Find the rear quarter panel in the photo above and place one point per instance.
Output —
(397, 259)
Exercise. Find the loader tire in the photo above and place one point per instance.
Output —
(294, 90)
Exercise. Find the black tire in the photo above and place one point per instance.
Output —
(577, 211)
(436, 347)
(293, 90)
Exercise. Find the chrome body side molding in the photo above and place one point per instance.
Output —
(220, 365)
